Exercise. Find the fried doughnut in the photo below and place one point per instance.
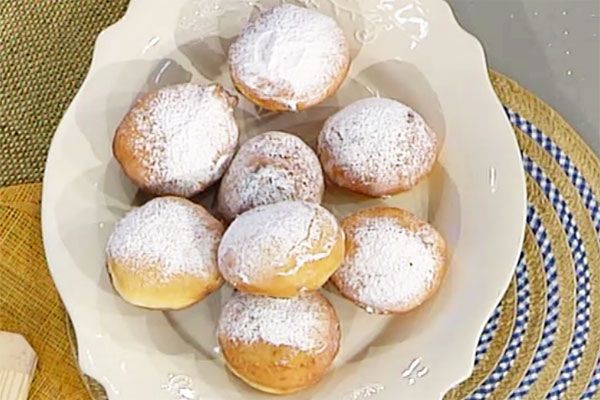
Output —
(271, 167)
(163, 255)
(377, 147)
(178, 140)
(289, 58)
(393, 263)
(279, 345)
(281, 249)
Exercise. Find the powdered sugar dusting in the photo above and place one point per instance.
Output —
(380, 141)
(302, 322)
(391, 266)
(269, 168)
(262, 240)
(189, 135)
(167, 233)
(267, 185)
(289, 53)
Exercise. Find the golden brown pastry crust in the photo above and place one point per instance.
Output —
(147, 288)
(136, 161)
(311, 276)
(408, 221)
(274, 34)
(272, 104)
(377, 147)
(293, 172)
(344, 178)
(282, 369)
(304, 271)
(140, 289)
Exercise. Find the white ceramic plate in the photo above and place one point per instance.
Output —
(412, 50)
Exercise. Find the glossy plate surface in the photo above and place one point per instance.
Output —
(412, 50)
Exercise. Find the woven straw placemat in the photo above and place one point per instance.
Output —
(45, 51)
(542, 341)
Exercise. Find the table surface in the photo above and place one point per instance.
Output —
(551, 47)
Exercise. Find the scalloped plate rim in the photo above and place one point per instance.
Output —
(102, 42)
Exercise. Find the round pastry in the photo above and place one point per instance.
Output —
(393, 263)
(281, 249)
(163, 255)
(178, 140)
(269, 168)
(377, 147)
(279, 345)
(289, 58)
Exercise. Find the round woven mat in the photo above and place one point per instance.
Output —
(542, 341)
